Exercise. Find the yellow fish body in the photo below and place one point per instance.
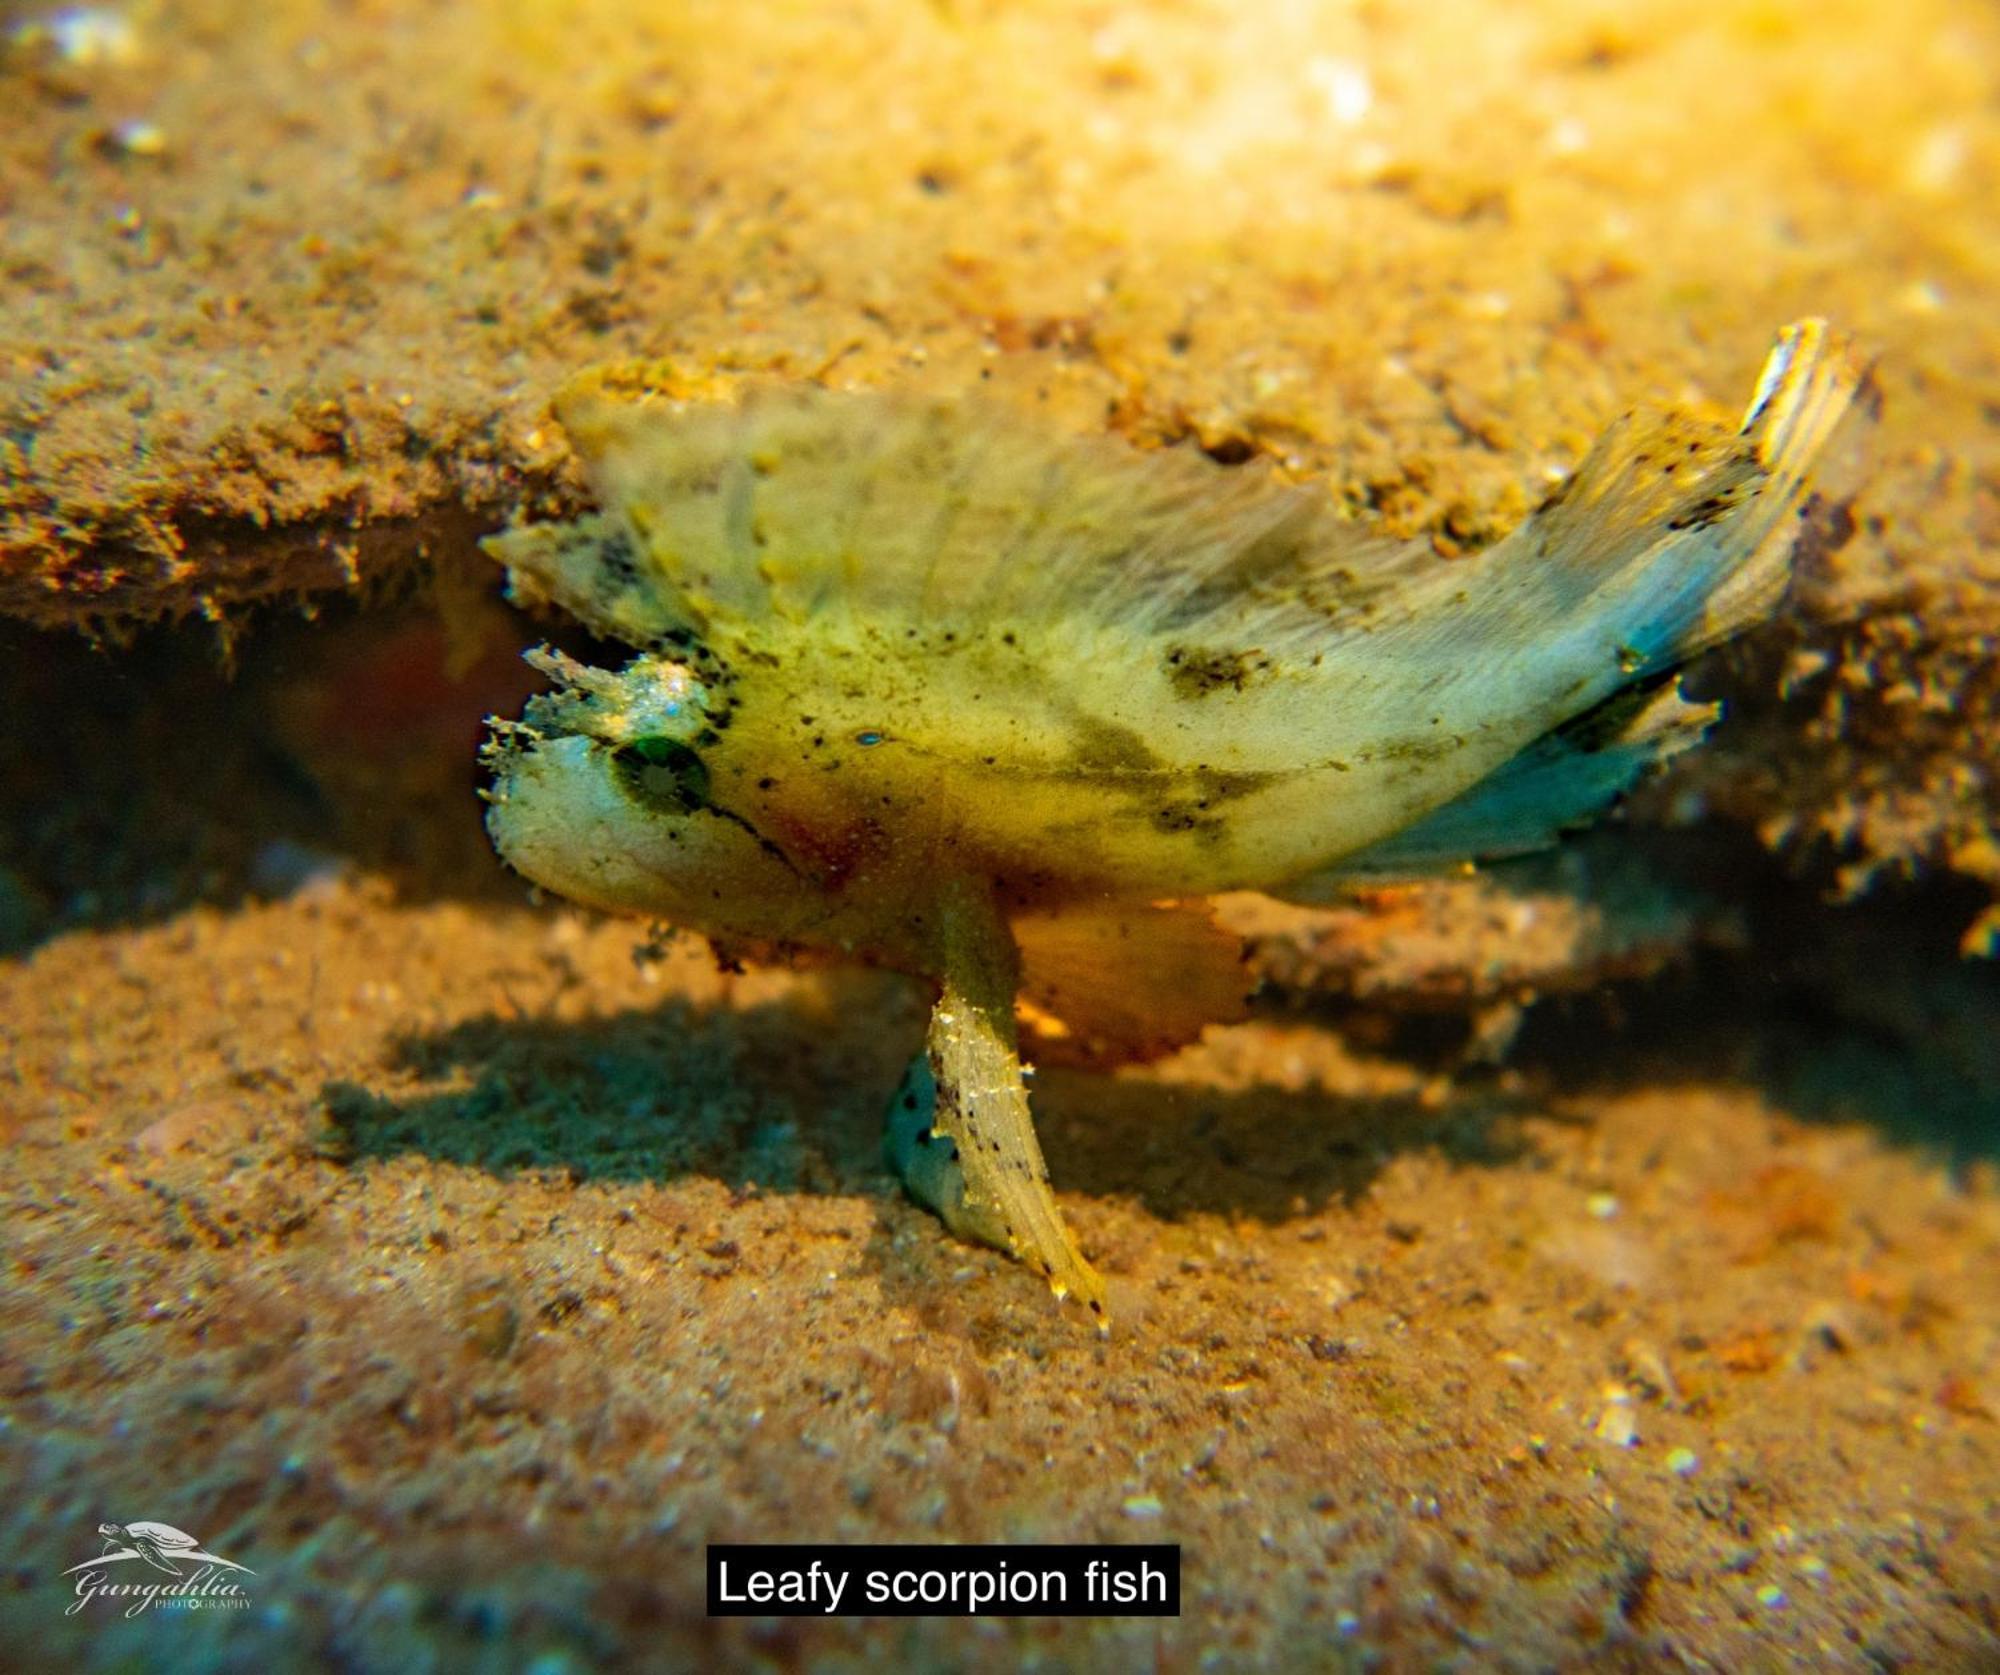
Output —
(920, 684)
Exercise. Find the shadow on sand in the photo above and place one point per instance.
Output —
(779, 1096)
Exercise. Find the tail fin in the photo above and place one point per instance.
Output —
(1692, 523)
(1809, 380)
(1675, 533)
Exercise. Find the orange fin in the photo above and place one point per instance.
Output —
(1128, 981)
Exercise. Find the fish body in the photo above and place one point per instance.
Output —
(915, 676)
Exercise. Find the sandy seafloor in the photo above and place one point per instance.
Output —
(1596, 1265)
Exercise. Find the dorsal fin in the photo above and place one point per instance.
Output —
(800, 505)
(797, 503)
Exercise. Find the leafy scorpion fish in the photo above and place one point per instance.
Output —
(920, 684)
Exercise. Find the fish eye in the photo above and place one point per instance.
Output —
(662, 774)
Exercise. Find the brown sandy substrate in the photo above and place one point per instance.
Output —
(288, 284)
(463, 1275)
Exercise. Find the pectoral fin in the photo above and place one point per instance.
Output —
(1129, 982)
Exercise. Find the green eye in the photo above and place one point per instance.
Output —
(662, 774)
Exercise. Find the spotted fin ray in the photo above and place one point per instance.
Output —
(1001, 1192)
(1681, 529)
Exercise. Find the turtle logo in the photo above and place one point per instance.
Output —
(191, 1578)
(160, 1545)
